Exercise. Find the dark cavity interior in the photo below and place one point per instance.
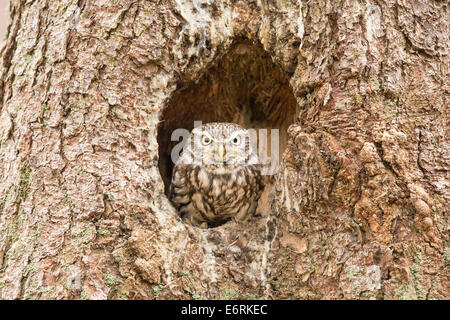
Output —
(245, 86)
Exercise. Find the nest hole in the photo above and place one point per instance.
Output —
(244, 86)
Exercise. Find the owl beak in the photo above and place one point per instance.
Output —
(222, 152)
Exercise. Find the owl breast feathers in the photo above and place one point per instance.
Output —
(217, 177)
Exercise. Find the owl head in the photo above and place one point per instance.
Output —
(220, 147)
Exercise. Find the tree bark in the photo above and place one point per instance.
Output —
(4, 9)
(359, 209)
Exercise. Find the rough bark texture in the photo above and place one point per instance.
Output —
(358, 210)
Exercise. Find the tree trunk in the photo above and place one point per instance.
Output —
(90, 91)
(4, 14)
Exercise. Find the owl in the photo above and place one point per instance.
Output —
(217, 177)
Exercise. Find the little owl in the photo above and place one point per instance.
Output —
(217, 177)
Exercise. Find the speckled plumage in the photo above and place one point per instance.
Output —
(214, 183)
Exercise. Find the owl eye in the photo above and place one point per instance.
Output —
(236, 140)
(206, 140)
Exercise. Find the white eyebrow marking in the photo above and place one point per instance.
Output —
(235, 134)
(203, 133)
